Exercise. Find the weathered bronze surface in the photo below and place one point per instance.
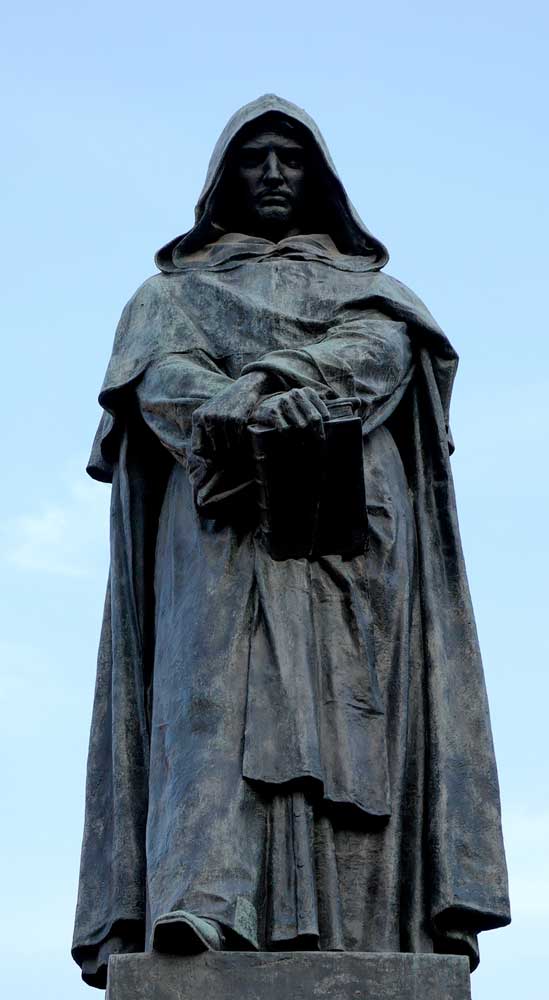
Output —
(288, 753)
(299, 975)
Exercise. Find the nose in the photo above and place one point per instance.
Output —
(271, 171)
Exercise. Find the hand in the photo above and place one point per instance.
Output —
(296, 408)
(219, 424)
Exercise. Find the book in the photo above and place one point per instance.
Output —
(310, 491)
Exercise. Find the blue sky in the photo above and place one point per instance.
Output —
(436, 118)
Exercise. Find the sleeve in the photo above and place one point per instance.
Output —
(169, 393)
(367, 358)
(171, 390)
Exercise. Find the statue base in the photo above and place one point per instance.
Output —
(288, 975)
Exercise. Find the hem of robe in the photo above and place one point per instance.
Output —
(450, 918)
(122, 937)
(456, 928)
(459, 943)
(305, 940)
(298, 924)
(315, 788)
(237, 918)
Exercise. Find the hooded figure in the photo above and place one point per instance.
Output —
(284, 754)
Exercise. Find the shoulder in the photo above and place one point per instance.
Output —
(404, 298)
(153, 290)
(402, 303)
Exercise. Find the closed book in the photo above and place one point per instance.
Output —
(310, 490)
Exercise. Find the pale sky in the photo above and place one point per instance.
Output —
(436, 116)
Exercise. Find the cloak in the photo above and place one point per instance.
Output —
(313, 310)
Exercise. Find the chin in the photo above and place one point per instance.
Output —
(275, 213)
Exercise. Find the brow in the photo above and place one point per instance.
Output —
(281, 141)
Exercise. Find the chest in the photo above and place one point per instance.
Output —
(263, 306)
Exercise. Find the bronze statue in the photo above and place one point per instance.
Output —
(286, 753)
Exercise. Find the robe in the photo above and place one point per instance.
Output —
(300, 750)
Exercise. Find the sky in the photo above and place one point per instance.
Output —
(436, 117)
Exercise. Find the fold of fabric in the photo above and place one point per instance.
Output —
(314, 713)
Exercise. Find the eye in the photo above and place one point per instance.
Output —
(292, 159)
(250, 158)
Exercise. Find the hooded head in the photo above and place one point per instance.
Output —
(326, 207)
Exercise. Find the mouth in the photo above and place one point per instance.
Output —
(273, 198)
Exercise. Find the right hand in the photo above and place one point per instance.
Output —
(219, 425)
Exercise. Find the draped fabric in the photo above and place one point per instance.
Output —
(300, 750)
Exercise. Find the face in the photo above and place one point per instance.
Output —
(270, 170)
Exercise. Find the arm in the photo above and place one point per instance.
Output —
(363, 357)
(200, 415)
(171, 390)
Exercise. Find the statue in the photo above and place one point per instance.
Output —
(286, 752)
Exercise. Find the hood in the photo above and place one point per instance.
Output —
(350, 234)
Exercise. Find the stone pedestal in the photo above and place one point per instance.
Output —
(288, 976)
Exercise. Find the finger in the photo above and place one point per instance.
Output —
(317, 401)
(264, 414)
(290, 411)
(274, 413)
(311, 416)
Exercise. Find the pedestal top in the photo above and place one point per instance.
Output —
(233, 975)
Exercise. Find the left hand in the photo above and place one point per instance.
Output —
(296, 408)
